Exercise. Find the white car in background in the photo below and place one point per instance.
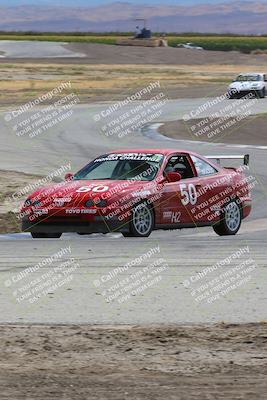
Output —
(189, 46)
(248, 83)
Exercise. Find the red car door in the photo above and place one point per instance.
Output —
(179, 198)
(198, 197)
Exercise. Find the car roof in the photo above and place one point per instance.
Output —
(153, 151)
(251, 73)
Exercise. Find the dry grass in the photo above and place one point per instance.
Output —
(23, 82)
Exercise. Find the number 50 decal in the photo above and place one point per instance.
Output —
(98, 189)
(189, 194)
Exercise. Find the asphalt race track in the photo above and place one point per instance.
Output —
(29, 49)
(185, 253)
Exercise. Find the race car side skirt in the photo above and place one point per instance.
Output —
(183, 226)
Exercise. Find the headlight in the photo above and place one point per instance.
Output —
(101, 203)
(28, 203)
(37, 203)
(89, 203)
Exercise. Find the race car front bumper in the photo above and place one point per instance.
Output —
(244, 92)
(97, 226)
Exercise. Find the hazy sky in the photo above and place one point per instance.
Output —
(98, 2)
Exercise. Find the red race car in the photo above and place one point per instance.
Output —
(137, 191)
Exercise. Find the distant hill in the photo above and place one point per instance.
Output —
(245, 17)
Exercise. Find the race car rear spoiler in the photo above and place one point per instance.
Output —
(218, 159)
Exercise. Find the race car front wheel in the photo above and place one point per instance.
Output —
(231, 220)
(42, 235)
(231, 95)
(142, 221)
(261, 93)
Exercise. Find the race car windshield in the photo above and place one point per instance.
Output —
(128, 166)
(248, 78)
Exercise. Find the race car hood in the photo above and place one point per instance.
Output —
(80, 191)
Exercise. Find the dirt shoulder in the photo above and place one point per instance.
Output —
(249, 131)
(15, 188)
(123, 362)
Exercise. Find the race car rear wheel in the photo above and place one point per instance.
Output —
(142, 221)
(42, 235)
(231, 220)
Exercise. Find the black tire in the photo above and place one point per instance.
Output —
(127, 234)
(42, 235)
(261, 93)
(230, 221)
(142, 221)
(231, 96)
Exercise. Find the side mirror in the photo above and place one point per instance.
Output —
(173, 176)
(69, 177)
